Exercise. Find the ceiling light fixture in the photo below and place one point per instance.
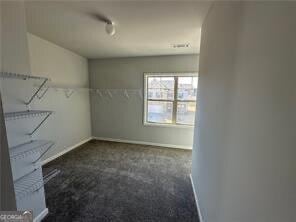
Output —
(110, 28)
(109, 24)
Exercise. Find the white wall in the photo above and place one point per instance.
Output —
(7, 196)
(119, 118)
(70, 123)
(15, 58)
(27, 54)
(217, 59)
(244, 153)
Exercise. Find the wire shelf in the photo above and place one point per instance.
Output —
(29, 148)
(26, 114)
(28, 184)
(70, 90)
(9, 75)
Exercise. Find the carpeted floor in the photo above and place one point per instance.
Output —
(106, 181)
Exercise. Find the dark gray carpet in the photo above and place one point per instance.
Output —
(106, 181)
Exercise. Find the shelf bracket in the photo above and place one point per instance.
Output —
(36, 92)
(37, 127)
(47, 149)
(50, 175)
(44, 92)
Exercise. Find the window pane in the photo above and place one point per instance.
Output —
(186, 113)
(167, 82)
(153, 82)
(160, 112)
(161, 88)
(187, 88)
(160, 94)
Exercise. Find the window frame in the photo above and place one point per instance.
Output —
(175, 101)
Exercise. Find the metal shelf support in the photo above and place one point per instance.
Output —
(50, 175)
(37, 91)
(44, 92)
(48, 148)
(39, 125)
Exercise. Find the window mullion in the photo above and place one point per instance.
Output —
(175, 100)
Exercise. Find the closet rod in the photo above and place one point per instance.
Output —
(60, 87)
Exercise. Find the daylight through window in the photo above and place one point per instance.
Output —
(170, 98)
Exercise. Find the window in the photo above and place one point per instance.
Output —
(170, 98)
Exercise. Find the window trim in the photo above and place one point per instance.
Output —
(166, 74)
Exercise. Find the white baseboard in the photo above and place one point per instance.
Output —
(201, 219)
(41, 215)
(65, 151)
(143, 143)
(112, 140)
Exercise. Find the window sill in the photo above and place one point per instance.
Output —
(169, 125)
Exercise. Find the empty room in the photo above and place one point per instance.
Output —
(140, 111)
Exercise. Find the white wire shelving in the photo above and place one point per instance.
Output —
(26, 157)
(32, 182)
(26, 114)
(29, 114)
(101, 92)
(28, 184)
(35, 146)
(44, 80)
(112, 92)
(68, 90)
(20, 76)
(41, 90)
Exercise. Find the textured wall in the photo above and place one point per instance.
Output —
(71, 122)
(14, 58)
(26, 54)
(7, 197)
(244, 150)
(120, 118)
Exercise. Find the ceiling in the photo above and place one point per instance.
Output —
(143, 28)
